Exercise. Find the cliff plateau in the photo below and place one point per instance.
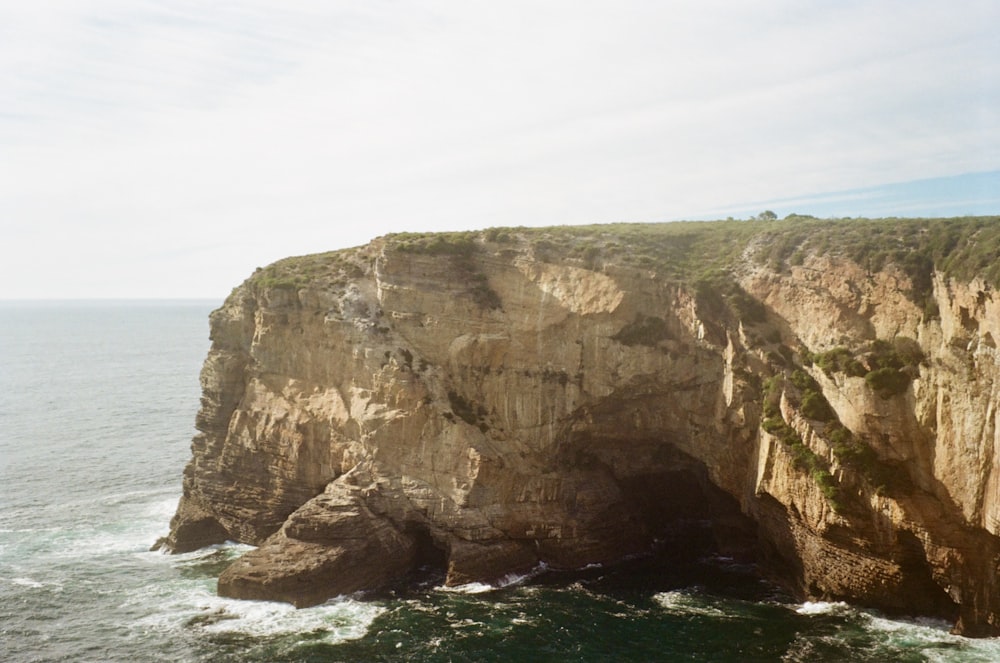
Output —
(489, 402)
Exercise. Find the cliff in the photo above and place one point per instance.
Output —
(823, 394)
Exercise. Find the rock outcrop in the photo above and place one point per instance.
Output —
(490, 402)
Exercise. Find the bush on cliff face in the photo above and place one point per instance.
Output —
(815, 406)
(838, 360)
(908, 350)
(893, 365)
(847, 449)
(813, 403)
(806, 459)
(772, 397)
(887, 366)
(888, 381)
(717, 292)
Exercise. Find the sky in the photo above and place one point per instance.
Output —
(167, 148)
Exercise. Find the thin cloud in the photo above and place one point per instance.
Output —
(154, 126)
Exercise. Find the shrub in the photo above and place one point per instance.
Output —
(815, 406)
(498, 235)
(716, 292)
(772, 396)
(888, 381)
(437, 244)
(804, 381)
(851, 451)
(892, 364)
(908, 350)
(839, 360)
(774, 425)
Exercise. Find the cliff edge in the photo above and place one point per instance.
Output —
(821, 395)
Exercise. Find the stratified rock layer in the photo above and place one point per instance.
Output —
(493, 409)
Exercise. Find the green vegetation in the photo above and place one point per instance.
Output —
(717, 293)
(887, 382)
(703, 254)
(684, 251)
(851, 451)
(437, 244)
(804, 458)
(331, 270)
(772, 396)
(962, 248)
(460, 248)
(813, 404)
(804, 392)
(887, 366)
(838, 360)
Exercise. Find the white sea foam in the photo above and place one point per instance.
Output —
(192, 605)
(31, 530)
(161, 510)
(28, 582)
(685, 603)
(466, 624)
(922, 625)
(107, 540)
(229, 550)
(133, 530)
(509, 580)
(186, 603)
(338, 620)
(468, 588)
(926, 637)
(822, 608)
(931, 637)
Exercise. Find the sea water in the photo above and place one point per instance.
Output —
(97, 404)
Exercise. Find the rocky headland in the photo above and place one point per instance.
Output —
(819, 396)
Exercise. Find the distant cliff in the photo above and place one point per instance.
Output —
(821, 395)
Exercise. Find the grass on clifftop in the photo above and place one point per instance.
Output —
(331, 269)
(699, 253)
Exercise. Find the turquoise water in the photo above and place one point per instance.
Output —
(97, 404)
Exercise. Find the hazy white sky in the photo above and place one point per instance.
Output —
(166, 148)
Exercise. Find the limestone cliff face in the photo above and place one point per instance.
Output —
(499, 407)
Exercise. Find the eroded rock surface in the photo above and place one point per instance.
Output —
(491, 409)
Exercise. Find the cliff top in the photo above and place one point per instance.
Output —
(693, 252)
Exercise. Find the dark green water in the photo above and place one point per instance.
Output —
(97, 403)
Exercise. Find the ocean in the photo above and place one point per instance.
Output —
(97, 405)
